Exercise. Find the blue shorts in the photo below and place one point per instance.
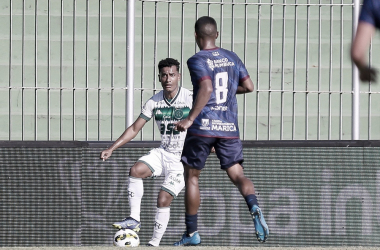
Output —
(197, 148)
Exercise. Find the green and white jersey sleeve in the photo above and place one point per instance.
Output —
(167, 113)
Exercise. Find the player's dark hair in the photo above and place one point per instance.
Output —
(168, 62)
(205, 26)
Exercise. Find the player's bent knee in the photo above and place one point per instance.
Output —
(140, 170)
(164, 199)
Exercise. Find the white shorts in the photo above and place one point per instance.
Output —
(161, 162)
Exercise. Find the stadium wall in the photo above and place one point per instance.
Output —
(320, 193)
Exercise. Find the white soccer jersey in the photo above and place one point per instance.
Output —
(167, 113)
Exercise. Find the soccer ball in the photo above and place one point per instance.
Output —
(126, 238)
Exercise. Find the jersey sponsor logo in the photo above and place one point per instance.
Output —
(223, 62)
(221, 108)
(180, 103)
(210, 64)
(171, 136)
(218, 125)
(171, 113)
(168, 145)
(205, 124)
(175, 179)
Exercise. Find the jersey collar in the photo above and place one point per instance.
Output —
(169, 103)
(211, 49)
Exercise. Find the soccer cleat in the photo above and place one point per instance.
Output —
(128, 223)
(189, 240)
(149, 245)
(261, 227)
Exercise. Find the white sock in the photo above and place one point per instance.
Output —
(135, 194)
(162, 220)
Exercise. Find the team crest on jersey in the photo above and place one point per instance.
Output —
(215, 53)
(178, 114)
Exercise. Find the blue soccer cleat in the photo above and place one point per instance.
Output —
(189, 240)
(128, 223)
(261, 227)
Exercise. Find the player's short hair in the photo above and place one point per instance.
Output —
(168, 62)
(206, 26)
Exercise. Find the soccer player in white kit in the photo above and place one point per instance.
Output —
(169, 106)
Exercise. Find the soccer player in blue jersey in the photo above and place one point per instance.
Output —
(217, 76)
(168, 106)
(369, 21)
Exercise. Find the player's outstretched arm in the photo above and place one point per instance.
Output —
(126, 137)
(359, 50)
(203, 96)
(245, 86)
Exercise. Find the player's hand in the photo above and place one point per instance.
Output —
(212, 150)
(106, 154)
(183, 125)
(368, 74)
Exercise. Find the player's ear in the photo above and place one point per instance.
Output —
(217, 34)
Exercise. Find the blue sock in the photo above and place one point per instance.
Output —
(191, 223)
(251, 200)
